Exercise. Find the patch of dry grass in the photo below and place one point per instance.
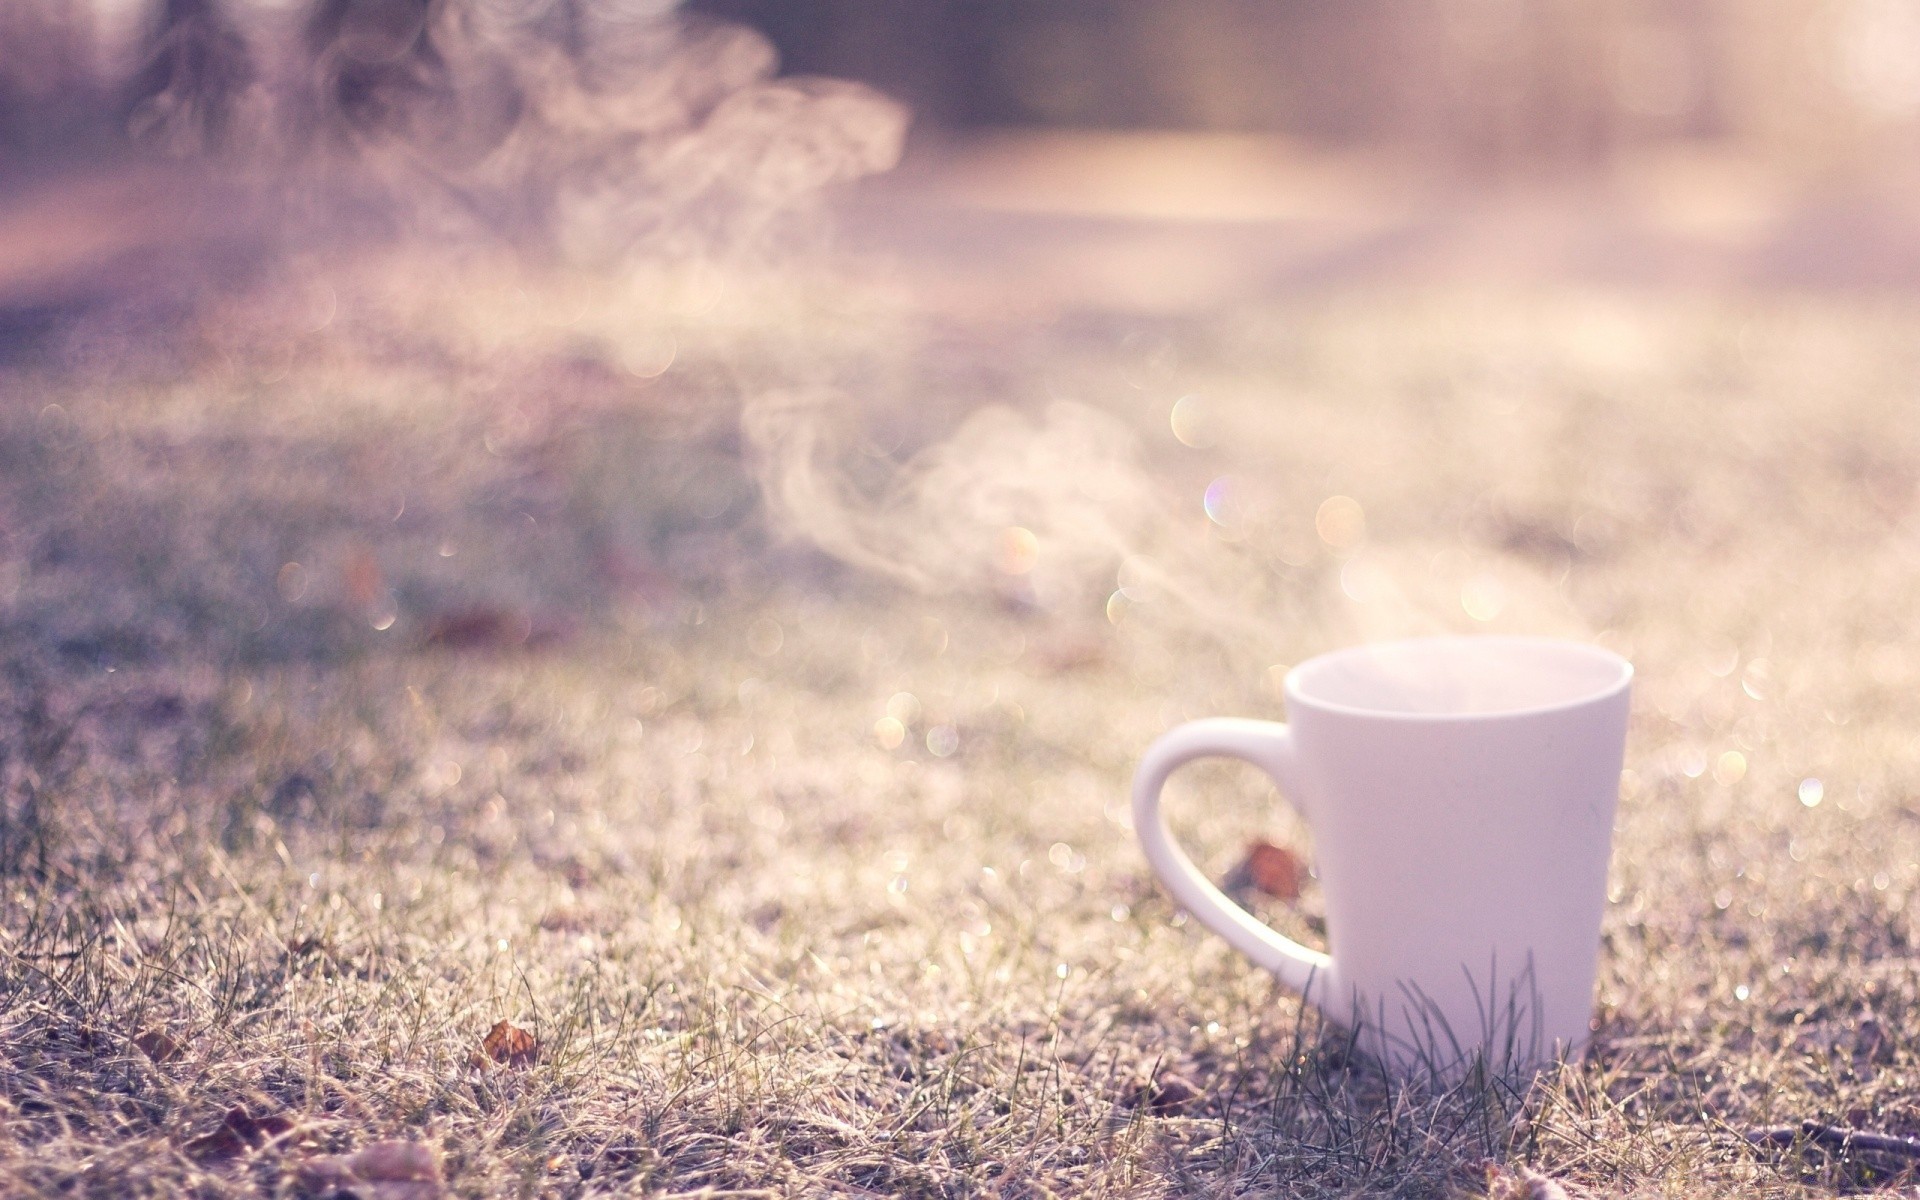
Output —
(612, 770)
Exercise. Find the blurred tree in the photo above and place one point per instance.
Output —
(183, 97)
(1488, 83)
(49, 94)
(1208, 63)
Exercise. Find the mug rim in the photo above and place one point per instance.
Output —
(1623, 679)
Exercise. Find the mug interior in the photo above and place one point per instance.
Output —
(1459, 676)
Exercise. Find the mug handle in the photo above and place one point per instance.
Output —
(1267, 745)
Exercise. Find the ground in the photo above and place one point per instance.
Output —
(730, 677)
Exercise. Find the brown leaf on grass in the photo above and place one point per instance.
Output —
(361, 578)
(390, 1170)
(508, 1045)
(1269, 869)
(1837, 1138)
(1521, 1183)
(479, 629)
(140, 708)
(396, 1161)
(1167, 1094)
(238, 1133)
(1066, 652)
(156, 1045)
(616, 1161)
(219, 1146)
(568, 918)
(326, 1173)
(482, 628)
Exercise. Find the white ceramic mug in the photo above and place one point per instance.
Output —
(1461, 793)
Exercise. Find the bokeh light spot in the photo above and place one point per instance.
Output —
(1730, 768)
(1483, 598)
(1364, 582)
(1812, 792)
(904, 707)
(1221, 501)
(1275, 678)
(1019, 550)
(1340, 522)
(1139, 577)
(1192, 423)
(649, 357)
(765, 637)
(889, 733)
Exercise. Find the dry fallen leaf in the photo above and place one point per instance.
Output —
(220, 1145)
(156, 1045)
(390, 1170)
(1521, 1183)
(479, 629)
(326, 1172)
(1267, 868)
(362, 579)
(1066, 652)
(1167, 1094)
(238, 1133)
(483, 628)
(508, 1045)
(396, 1162)
(567, 918)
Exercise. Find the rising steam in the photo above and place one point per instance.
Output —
(596, 129)
(1059, 509)
(1069, 479)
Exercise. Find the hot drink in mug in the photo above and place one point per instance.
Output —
(1461, 793)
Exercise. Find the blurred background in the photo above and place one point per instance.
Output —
(1481, 83)
(1650, 141)
(747, 477)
